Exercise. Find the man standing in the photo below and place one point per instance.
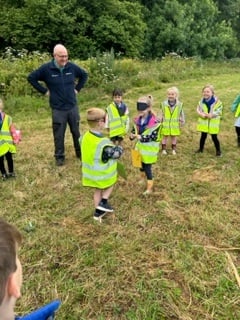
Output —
(59, 76)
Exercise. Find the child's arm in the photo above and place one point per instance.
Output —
(133, 133)
(160, 116)
(218, 112)
(200, 111)
(111, 152)
(182, 117)
(106, 121)
(127, 124)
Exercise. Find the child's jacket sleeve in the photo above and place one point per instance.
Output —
(235, 103)
(46, 312)
(111, 152)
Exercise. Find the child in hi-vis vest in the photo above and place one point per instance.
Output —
(147, 131)
(236, 109)
(99, 162)
(117, 117)
(209, 112)
(172, 118)
(9, 137)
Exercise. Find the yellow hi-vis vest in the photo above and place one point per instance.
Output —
(149, 150)
(171, 125)
(117, 123)
(6, 140)
(96, 173)
(212, 125)
(237, 113)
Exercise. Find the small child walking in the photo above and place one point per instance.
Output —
(99, 162)
(9, 137)
(209, 110)
(147, 131)
(172, 118)
(117, 118)
(236, 109)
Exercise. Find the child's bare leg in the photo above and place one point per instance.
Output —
(97, 197)
(103, 204)
(174, 143)
(164, 145)
(107, 192)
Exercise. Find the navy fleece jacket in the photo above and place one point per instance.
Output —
(60, 83)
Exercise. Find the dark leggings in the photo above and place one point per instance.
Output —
(9, 158)
(147, 168)
(214, 139)
(237, 131)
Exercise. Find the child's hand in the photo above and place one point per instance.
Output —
(204, 115)
(132, 136)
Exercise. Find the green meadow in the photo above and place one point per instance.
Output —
(171, 255)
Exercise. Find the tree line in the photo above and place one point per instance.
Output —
(132, 28)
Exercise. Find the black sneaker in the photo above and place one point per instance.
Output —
(59, 162)
(98, 215)
(199, 151)
(104, 207)
(11, 175)
(218, 154)
(4, 176)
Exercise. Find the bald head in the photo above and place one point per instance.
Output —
(60, 54)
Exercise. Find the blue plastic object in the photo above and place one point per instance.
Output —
(46, 312)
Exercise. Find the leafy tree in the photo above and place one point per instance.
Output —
(134, 28)
(84, 29)
(189, 28)
(40, 24)
(122, 29)
(230, 12)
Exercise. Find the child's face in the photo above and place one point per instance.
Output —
(117, 99)
(172, 96)
(207, 93)
(101, 124)
(143, 113)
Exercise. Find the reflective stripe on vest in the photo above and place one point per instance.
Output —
(209, 125)
(96, 173)
(171, 119)
(6, 140)
(149, 150)
(117, 123)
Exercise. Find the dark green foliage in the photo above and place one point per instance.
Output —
(147, 29)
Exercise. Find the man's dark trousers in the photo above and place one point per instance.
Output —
(60, 119)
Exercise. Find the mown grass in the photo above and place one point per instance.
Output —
(159, 257)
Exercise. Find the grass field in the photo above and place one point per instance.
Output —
(171, 255)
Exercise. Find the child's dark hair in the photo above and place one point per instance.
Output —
(117, 92)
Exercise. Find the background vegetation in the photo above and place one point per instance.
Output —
(132, 28)
(168, 256)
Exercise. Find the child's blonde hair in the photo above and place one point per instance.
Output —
(175, 90)
(148, 99)
(94, 115)
(209, 86)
